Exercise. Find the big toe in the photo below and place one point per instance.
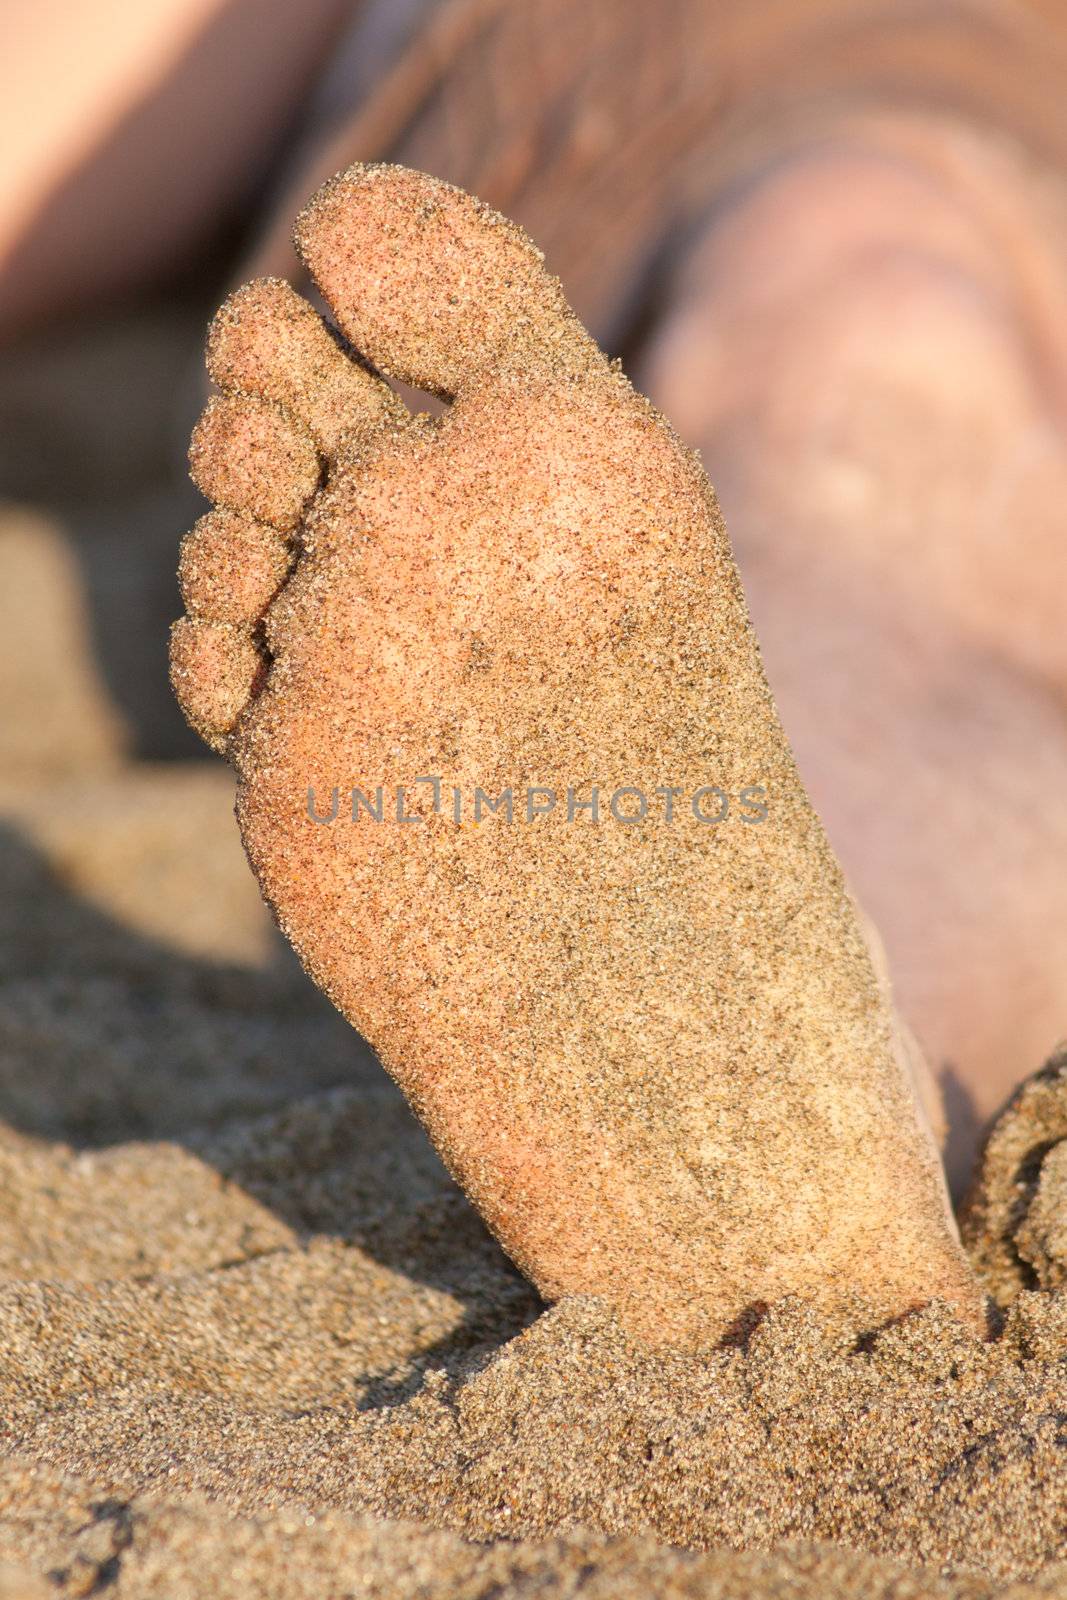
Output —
(429, 283)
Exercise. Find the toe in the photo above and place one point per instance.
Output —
(215, 669)
(250, 455)
(430, 284)
(231, 567)
(266, 340)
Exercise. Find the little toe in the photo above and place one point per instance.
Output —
(266, 340)
(430, 284)
(231, 567)
(250, 455)
(216, 670)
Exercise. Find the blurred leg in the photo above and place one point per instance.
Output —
(127, 132)
(866, 344)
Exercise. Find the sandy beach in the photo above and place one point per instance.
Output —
(255, 1341)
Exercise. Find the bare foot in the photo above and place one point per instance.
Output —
(1013, 1217)
(654, 1053)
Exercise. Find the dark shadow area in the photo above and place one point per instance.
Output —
(98, 397)
(94, 425)
(107, 1036)
(964, 1126)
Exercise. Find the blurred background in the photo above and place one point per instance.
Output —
(828, 238)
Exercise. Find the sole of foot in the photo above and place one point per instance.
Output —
(642, 1027)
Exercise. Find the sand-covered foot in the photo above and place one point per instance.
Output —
(646, 1037)
(1014, 1219)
